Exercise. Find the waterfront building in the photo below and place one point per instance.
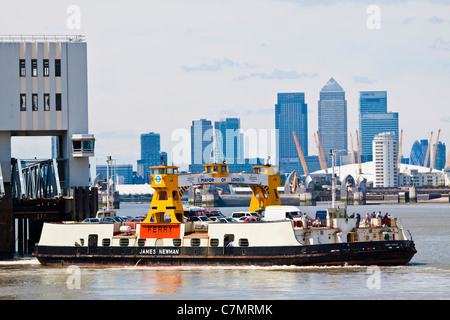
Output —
(385, 153)
(374, 119)
(119, 173)
(229, 142)
(291, 115)
(332, 114)
(150, 154)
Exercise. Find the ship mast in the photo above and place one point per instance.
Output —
(333, 178)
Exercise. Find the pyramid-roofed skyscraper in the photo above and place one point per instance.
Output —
(333, 118)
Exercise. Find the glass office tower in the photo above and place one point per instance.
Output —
(229, 141)
(374, 119)
(201, 139)
(333, 118)
(291, 115)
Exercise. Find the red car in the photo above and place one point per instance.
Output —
(252, 219)
(133, 222)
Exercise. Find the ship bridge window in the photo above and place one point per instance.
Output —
(224, 168)
(169, 170)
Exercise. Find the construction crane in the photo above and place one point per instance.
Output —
(433, 158)
(300, 154)
(359, 152)
(353, 152)
(425, 163)
(399, 158)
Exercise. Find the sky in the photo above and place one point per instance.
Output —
(154, 66)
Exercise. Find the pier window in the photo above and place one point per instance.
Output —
(23, 102)
(46, 102)
(58, 102)
(34, 72)
(22, 68)
(83, 145)
(46, 70)
(57, 67)
(34, 100)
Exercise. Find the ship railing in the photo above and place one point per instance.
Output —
(378, 222)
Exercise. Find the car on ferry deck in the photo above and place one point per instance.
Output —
(200, 222)
(133, 222)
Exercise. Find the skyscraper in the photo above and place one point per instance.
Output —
(229, 140)
(418, 152)
(374, 119)
(201, 142)
(291, 115)
(150, 154)
(333, 117)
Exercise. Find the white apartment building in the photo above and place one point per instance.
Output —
(385, 153)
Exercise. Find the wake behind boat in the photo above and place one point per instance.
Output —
(282, 236)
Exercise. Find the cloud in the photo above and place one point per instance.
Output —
(228, 112)
(364, 80)
(435, 19)
(278, 75)
(409, 20)
(440, 44)
(215, 65)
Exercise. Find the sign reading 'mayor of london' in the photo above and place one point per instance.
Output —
(233, 178)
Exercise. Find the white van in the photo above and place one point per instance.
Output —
(273, 213)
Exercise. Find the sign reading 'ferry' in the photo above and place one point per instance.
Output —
(160, 230)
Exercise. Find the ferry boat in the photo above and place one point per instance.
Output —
(164, 238)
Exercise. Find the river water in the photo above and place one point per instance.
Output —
(427, 276)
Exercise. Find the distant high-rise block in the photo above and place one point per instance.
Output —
(385, 152)
(291, 115)
(374, 119)
(229, 141)
(201, 141)
(150, 154)
(333, 118)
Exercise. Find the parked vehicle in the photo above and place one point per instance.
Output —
(252, 219)
(91, 220)
(240, 214)
(133, 222)
(200, 222)
(214, 213)
(226, 220)
(107, 220)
